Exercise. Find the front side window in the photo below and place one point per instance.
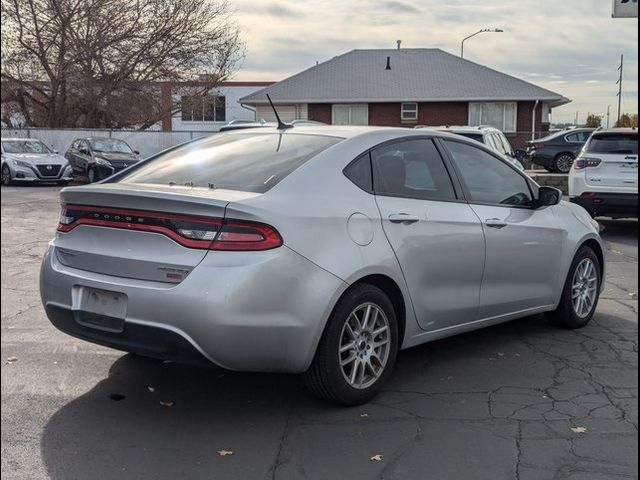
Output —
(500, 115)
(409, 112)
(251, 162)
(413, 169)
(489, 180)
(203, 108)
(350, 114)
(28, 146)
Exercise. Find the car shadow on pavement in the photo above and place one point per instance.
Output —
(150, 419)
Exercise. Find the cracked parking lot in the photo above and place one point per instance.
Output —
(522, 401)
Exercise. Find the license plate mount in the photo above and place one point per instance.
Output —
(100, 309)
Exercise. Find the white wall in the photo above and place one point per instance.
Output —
(234, 111)
(146, 142)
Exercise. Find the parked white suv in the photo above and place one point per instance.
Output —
(604, 177)
(489, 136)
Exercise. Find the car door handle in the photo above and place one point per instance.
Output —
(403, 218)
(495, 223)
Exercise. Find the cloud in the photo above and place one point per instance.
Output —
(545, 42)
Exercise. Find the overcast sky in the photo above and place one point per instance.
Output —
(572, 47)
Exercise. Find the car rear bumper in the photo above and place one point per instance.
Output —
(609, 204)
(247, 311)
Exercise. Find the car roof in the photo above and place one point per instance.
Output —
(613, 131)
(463, 128)
(19, 139)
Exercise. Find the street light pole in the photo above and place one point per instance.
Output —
(621, 69)
(484, 30)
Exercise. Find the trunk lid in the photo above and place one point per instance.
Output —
(131, 232)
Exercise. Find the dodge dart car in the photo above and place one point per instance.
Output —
(315, 250)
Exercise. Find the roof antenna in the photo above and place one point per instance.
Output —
(388, 67)
(281, 124)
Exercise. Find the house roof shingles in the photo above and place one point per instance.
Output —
(424, 75)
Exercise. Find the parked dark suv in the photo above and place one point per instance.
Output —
(557, 151)
(99, 158)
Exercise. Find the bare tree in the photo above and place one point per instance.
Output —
(111, 63)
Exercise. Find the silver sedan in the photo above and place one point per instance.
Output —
(27, 160)
(316, 250)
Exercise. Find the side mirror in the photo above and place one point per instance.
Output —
(548, 197)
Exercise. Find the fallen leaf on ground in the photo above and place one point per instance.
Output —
(225, 453)
(12, 359)
(151, 389)
(501, 354)
(377, 458)
(579, 430)
(167, 403)
(364, 415)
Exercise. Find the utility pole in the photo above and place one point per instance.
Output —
(621, 69)
(576, 122)
(608, 116)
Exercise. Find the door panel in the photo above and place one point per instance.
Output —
(441, 256)
(523, 252)
(437, 239)
(523, 244)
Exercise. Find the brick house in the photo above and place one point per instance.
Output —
(409, 87)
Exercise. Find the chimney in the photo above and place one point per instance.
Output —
(388, 67)
(399, 42)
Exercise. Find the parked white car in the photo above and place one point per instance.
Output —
(489, 136)
(604, 177)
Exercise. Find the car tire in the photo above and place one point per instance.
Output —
(6, 176)
(563, 163)
(372, 355)
(585, 274)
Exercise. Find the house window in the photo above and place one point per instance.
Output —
(207, 108)
(502, 116)
(350, 114)
(409, 112)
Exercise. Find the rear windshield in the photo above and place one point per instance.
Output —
(614, 144)
(250, 162)
(478, 137)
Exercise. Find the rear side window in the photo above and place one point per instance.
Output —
(359, 172)
(412, 169)
(251, 162)
(614, 144)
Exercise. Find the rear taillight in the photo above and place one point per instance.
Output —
(583, 163)
(538, 146)
(188, 230)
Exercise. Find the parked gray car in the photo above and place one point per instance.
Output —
(99, 158)
(27, 160)
(316, 250)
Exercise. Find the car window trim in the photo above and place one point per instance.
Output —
(457, 189)
(465, 188)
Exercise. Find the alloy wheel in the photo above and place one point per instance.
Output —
(584, 291)
(564, 163)
(6, 176)
(365, 344)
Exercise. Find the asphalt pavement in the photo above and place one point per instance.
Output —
(523, 401)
